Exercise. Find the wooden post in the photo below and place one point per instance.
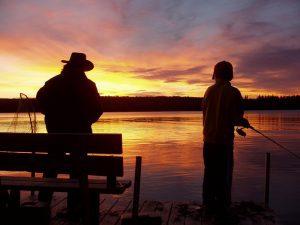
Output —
(267, 181)
(14, 199)
(136, 191)
(32, 175)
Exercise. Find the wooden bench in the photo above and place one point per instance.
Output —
(96, 154)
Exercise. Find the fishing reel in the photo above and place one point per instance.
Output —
(240, 131)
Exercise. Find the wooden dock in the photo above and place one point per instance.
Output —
(114, 208)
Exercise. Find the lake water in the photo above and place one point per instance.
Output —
(171, 146)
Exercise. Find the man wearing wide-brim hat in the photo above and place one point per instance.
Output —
(71, 104)
(70, 101)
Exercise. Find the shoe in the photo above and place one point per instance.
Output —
(68, 215)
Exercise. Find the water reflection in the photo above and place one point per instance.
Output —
(171, 146)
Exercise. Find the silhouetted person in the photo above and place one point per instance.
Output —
(70, 101)
(222, 110)
(71, 104)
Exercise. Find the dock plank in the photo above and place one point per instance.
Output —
(157, 208)
(106, 207)
(59, 202)
(115, 214)
(113, 208)
(177, 216)
(126, 213)
(193, 214)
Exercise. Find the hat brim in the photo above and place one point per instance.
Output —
(86, 65)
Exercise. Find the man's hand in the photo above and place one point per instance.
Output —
(245, 123)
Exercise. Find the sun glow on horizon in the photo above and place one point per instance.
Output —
(119, 80)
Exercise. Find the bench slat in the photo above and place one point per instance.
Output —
(61, 184)
(43, 142)
(92, 165)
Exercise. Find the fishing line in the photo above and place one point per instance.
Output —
(242, 133)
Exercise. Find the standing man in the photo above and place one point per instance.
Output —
(222, 110)
(71, 104)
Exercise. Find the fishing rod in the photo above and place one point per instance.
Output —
(242, 133)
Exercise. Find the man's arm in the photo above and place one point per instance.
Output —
(94, 107)
(41, 99)
(239, 119)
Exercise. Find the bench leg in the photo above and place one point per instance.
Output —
(4, 197)
(14, 199)
(90, 210)
(73, 201)
(12, 216)
(94, 207)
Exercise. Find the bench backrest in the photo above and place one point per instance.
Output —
(97, 154)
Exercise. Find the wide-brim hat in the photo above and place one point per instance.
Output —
(78, 60)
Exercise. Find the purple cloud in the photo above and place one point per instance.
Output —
(271, 67)
(261, 38)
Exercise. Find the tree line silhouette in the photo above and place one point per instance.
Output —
(174, 103)
(272, 102)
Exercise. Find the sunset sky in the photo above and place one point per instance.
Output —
(152, 47)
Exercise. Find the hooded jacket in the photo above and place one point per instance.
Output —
(222, 110)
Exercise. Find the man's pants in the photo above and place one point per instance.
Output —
(74, 198)
(218, 161)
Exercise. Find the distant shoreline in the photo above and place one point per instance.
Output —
(146, 104)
